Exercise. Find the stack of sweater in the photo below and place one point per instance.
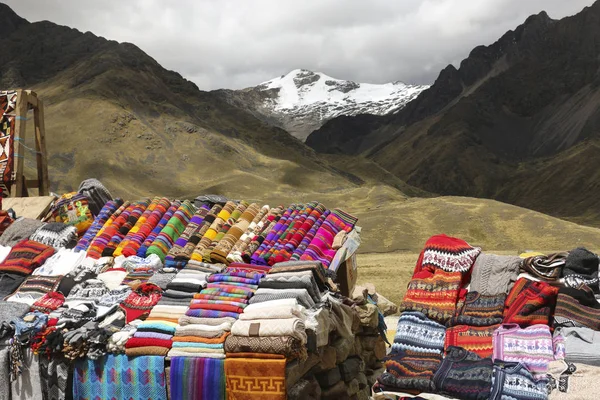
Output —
(207, 323)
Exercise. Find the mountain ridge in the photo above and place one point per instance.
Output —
(493, 127)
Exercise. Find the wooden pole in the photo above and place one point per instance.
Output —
(40, 147)
(19, 189)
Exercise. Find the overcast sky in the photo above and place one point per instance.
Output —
(240, 43)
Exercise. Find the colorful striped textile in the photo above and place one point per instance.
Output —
(577, 307)
(177, 252)
(112, 225)
(109, 209)
(208, 381)
(320, 248)
(299, 214)
(146, 224)
(171, 232)
(141, 252)
(135, 228)
(135, 214)
(26, 256)
(196, 237)
(254, 228)
(222, 249)
(304, 226)
(272, 219)
(273, 235)
(120, 377)
(233, 217)
(309, 236)
(212, 231)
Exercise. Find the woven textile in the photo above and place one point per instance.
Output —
(300, 231)
(289, 346)
(435, 294)
(141, 252)
(272, 220)
(213, 230)
(8, 103)
(222, 249)
(139, 222)
(321, 246)
(196, 222)
(530, 303)
(120, 377)
(416, 332)
(293, 280)
(479, 310)
(448, 254)
(532, 346)
(37, 286)
(208, 381)
(147, 223)
(72, 209)
(577, 307)
(255, 379)
(26, 256)
(224, 229)
(296, 266)
(270, 327)
(48, 302)
(112, 224)
(476, 339)
(254, 228)
(310, 234)
(108, 210)
(172, 230)
(135, 213)
(464, 375)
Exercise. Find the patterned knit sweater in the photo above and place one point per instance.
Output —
(464, 375)
(530, 303)
(434, 294)
(26, 256)
(416, 332)
(479, 310)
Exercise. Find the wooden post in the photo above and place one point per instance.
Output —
(40, 147)
(22, 106)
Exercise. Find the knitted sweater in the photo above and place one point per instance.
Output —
(494, 274)
(532, 346)
(416, 332)
(479, 310)
(433, 293)
(464, 375)
(530, 303)
(514, 381)
(476, 339)
(26, 256)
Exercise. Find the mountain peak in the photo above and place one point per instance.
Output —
(9, 20)
(302, 100)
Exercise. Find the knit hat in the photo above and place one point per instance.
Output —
(581, 267)
(112, 299)
(96, 193)
(141, 300)
(90, 290)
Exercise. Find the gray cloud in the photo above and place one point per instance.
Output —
(240, 43)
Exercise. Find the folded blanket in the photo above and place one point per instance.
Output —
(216, 307)
(199, 331)
(229, 302)
(185, 320)
(289, 346)
(147, 351)
(220, 339)
(212, 346)
(273, 313)
(271, 327)
(143, 342)
(184, 330)
(316, 267)
(293, 280)
(202, 266)
(301, 295)
(183, 353)
(210, 382)
(211, 313)
(229, 278)
(152, 335)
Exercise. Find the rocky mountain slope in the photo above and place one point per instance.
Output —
(302, 101)
(518, 121)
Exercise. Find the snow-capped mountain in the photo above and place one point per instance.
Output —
(302, 101)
